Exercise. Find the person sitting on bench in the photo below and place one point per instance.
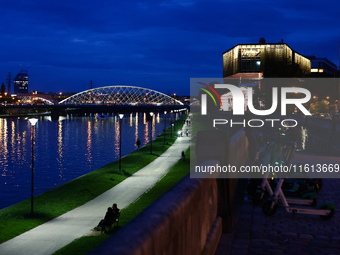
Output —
(115, 209)
(107, 219)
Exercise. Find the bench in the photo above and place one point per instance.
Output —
(109, 225)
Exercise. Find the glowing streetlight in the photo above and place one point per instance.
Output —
(121, 115)
(164, 125)
(172, 124)
(151, 113)
(33, 121)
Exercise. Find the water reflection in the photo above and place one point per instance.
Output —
(153, 127)
(64, 149)
(136, 129)
(89, 141)
(4, 146)
(117, 136)
(146, 131)
(60, 148)
(13, 139)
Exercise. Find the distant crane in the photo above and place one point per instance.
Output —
(91, 84)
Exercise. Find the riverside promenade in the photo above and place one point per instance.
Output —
(57, 233)
(285, 233)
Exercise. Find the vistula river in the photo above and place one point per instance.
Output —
(65, 149)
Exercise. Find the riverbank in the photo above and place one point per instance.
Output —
(17, 219)
(88, 243)
(25, 115)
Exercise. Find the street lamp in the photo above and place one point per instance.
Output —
(33, 121)
(151, 113)
(172, 124)
(121, 115)
(164, 125)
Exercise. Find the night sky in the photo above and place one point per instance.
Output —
(158, 45)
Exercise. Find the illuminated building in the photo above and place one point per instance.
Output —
(264, 60)
(322, 67)
(21, 83)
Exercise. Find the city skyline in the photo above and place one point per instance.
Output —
(153, 45)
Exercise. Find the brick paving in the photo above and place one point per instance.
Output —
(286, 233)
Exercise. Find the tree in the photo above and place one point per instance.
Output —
(323, 106)
(3, 89)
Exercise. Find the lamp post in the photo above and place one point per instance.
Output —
(151, 113)
(121, 115)
(33, 121)
(164, 125)
(176, 126)
(172, 124)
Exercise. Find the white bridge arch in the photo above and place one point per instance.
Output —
(31, 99)
(121, 95)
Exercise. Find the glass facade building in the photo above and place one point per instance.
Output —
(21, 83)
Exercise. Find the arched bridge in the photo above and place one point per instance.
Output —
(36, 99)
(120, 95)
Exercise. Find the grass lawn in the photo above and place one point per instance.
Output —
(86, 244)
(17, 219)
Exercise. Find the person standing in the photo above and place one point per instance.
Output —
(138, 143)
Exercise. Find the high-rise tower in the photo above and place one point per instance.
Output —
(21, 82)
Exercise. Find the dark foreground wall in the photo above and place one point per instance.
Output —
(183, 221)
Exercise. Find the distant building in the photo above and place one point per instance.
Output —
(264, 60)
(21, 83)
(323, 67)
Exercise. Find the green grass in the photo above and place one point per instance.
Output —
(17, 219)
(86, 244)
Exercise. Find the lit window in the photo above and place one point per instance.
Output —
(314, 70)
(320, 70)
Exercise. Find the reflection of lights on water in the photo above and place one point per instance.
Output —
(60, 148)
(60, 139)
(153, 127)
(131, 119)
(116, 136)
(55, 142)
(158, 119)
(136, 129)
(89, 141)
(13, 137)
(4, 146)
(146, 131)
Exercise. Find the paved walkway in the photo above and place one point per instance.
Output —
(55, 234)
(286, 233)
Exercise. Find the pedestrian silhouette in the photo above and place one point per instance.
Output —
(138, 143)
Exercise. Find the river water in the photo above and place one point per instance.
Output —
(65, 149)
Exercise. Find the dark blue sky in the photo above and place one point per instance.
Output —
(158, 45)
